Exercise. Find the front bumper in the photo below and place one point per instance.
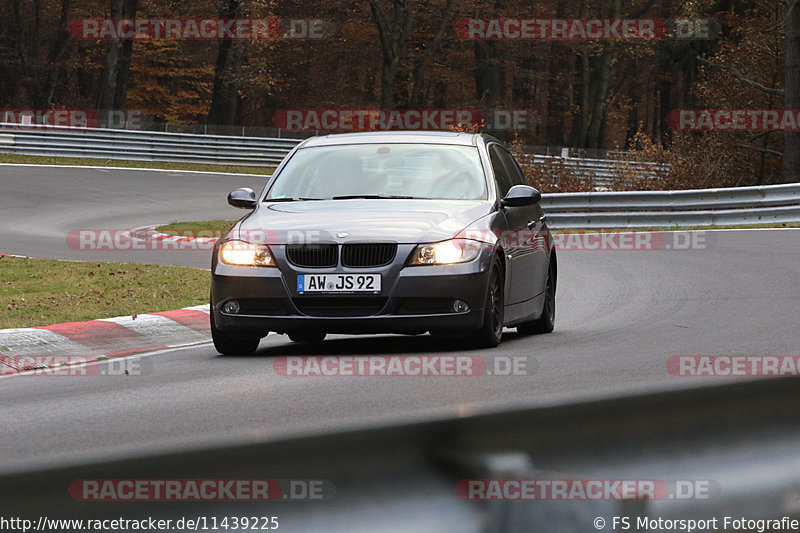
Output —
(412, 300)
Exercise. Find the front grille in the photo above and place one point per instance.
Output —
(312, 255)
(334, 306)
(368, 254)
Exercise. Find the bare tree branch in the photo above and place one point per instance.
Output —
(756, 137)
(784, 19)
(758, 149)
(738, 74)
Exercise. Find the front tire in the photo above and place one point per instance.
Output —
(490, 333)
(227, 345)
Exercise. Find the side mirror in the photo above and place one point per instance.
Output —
(244, 198)
(521, 195)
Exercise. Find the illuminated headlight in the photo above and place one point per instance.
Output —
(245, 254)
(446, 252)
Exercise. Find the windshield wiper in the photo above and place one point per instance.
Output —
(374, 197)
(300, 199)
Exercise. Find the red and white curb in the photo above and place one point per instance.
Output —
(149, 233)
(28, 348)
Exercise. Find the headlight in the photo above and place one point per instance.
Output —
(246, 254)
(446, 252)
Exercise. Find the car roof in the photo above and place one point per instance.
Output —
(383, 137)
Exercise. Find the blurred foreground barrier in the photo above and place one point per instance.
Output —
(720, 452)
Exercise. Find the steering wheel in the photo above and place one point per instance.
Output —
(450, 184)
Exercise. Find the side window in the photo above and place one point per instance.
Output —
(517, 176)
(501, 172)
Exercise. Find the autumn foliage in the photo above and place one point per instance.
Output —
(607, 96)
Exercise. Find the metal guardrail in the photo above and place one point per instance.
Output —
(140, 145)
(701, 207)
(143, 145)
(601, 172)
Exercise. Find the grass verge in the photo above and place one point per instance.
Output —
(39, 292)
(86, 161)
(207, 228)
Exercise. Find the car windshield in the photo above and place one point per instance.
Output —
(382, 171)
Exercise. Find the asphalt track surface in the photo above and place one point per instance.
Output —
(621, 315)
(40, 206)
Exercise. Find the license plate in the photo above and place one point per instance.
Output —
(339, 283)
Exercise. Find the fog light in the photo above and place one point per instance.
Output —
(231, 307)
(460, 306)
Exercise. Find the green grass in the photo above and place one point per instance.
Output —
(85, 161)
(208, 228)
(39, 292)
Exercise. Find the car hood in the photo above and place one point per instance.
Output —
(395, 220)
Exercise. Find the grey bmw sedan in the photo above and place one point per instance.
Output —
(394, 232)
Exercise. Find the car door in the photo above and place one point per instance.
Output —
(515, 219)
(525, 241)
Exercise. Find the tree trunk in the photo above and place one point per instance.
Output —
(224, 96)
(425, 62)
(599, 93)
(557, 104)
(55, 58)
(596, 132)
(791, 149)
(580, 129)
(108, 87)
(489, 78)
(124, 69)
(388, 76)
(392, 35)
